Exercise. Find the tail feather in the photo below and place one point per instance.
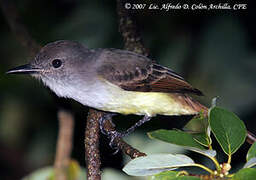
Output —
(195, 105)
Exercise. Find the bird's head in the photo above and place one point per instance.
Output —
(58, 64)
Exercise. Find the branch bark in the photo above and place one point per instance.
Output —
(92, 153)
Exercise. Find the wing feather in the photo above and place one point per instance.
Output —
(134, 72)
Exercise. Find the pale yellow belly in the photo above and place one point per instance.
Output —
(148, 103)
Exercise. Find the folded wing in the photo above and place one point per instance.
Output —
(133, 72)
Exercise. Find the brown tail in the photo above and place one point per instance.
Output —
(195, 105)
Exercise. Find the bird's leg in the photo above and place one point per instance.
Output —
(111, 133)
(107, 116)
(115, 134)
(137, 124)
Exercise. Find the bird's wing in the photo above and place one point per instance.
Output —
(134, 72)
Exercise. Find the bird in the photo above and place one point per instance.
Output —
(112, 80)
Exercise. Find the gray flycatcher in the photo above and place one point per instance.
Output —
(112, 80)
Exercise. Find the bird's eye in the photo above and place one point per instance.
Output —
(56, 63)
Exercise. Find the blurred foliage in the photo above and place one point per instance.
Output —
(214, 51)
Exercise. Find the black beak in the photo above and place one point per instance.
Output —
(24, 69)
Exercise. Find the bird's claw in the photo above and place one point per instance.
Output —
(114, 135)
(102, 121)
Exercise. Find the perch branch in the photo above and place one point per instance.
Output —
(92, 154)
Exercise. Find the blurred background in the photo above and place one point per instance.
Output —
(214, 50)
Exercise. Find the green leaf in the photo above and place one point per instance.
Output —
(202, 138)
(166, 175)
(112, 174)
(40, 174)
(250, 163)
(228, 129)
(183, 139)
(172, 175)
(73, 172)
(245, 174)
(186, 178)
(156, 163)
(198, 124)
(176, 137)
(209, 153)
(252, 152)
(198, 128)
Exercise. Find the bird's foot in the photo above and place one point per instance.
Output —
(103, 120)
(114, 136)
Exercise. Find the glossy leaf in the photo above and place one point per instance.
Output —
(166, 175)
(172, 175)
(202, 138)
(198, 128)
(186, 178)
(184, 139)
(40, 174)
(250, 163)
(198, 124)
(245, 174)
(156, 163)
(228, 129)
(73, 172)
(208, 153)
(252, 152)
(176, 137)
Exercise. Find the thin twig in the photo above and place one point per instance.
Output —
(92, 153)
(64, 144)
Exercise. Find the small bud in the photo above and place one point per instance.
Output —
(226, 167)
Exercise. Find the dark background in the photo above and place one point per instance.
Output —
(213, 50)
